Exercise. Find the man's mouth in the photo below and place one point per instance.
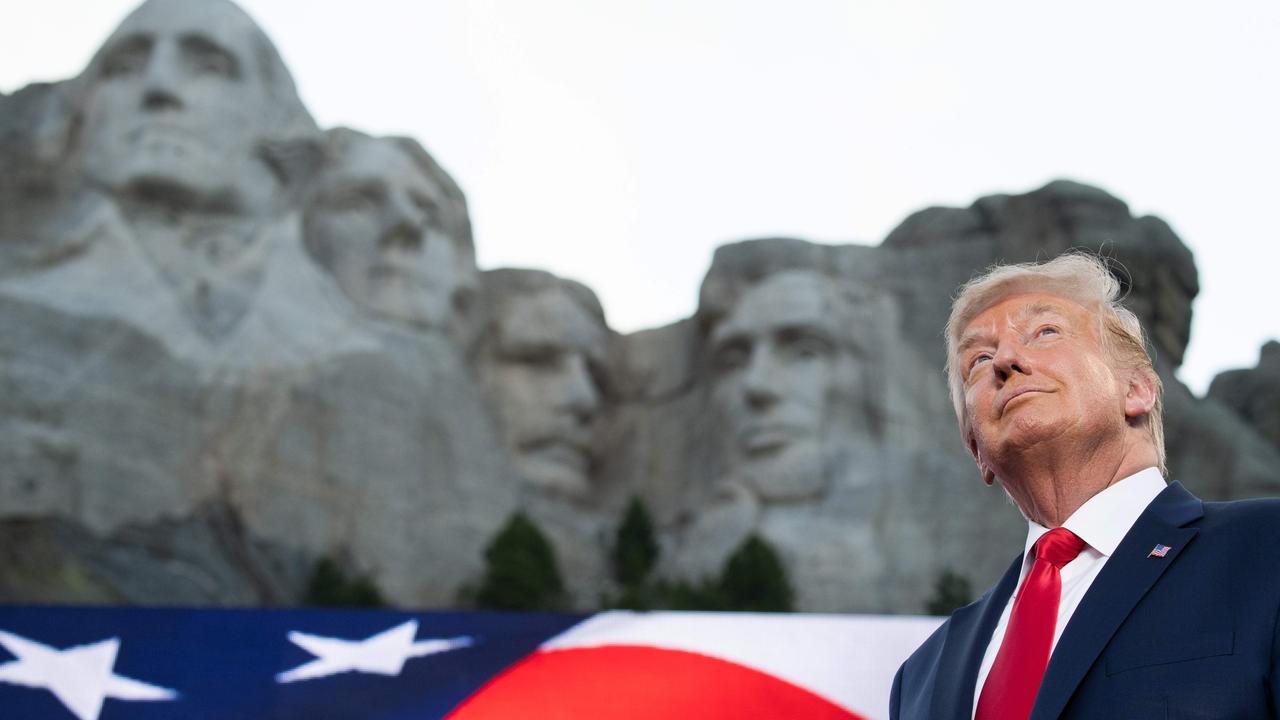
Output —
(1017, 393)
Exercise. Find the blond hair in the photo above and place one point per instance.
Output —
(1081, 278)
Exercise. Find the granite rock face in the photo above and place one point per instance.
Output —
(174, 343)
(235, 344)
(1254, 393)
(794, 406)
(1152, 263)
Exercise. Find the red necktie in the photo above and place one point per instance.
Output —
(1011, 687)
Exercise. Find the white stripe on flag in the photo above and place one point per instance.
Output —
(850, 660)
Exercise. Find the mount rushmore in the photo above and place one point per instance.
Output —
(235, 343)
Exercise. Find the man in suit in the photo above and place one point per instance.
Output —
(1131, 598)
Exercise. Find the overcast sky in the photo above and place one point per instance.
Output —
(618, 143)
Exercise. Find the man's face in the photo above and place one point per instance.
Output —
(1035, 371)
(542, 378)
(779, 370)
(375, 224)
(176, 102)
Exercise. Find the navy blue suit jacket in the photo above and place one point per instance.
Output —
(1189, 635)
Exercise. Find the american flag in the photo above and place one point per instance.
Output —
(1159, 551)
(116, 663)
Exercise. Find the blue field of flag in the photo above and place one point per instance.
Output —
(117, 663)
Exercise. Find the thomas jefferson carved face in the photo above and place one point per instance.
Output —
(175, 106)
(781, 369)
(542, 375)
(376, 224)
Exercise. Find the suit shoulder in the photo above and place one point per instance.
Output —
(924, 660)
(1253, 522)
(915, 679)
(1256, 513)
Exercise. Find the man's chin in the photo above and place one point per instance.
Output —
(1028, 434)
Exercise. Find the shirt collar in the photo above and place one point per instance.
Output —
(1104, 519)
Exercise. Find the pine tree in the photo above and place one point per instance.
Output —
(521, 571)
(754, 579)
(330, 587)
(950, 591)
(634, 550)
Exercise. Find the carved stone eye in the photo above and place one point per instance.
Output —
(129, 58)
(356, 197)
(805, 344)
(542, 357)
(731, 355)
(203, 57)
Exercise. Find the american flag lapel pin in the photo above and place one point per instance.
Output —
(1159, 551)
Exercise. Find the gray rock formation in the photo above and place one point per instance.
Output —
(1254, 393)
(174, 347)
(794, 406)
(543, 366)
(392, 228)
(234, 344)
(543, 361)
(954, 243)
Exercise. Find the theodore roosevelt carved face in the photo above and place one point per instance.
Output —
(542, 370)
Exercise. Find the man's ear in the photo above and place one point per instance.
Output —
(1140, 397)
(988, 475)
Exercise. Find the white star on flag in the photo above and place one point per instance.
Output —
(382, 654)
(81, 677)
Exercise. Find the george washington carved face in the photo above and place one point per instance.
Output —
(177, 102)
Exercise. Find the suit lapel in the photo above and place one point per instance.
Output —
(967, 641)
(1126, 577)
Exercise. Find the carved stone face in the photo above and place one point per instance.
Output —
(375, 225)
(175, 106)
(781, 367)
(542, 379)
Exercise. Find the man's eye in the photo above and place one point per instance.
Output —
(979, 359)
(1047, 330)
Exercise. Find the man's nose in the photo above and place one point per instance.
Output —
(760, 379)
(578, 393)
(162, 81)
(1009, 359)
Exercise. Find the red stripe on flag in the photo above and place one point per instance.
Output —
(624, 682)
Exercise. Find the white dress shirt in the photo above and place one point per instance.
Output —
(1102, 522)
